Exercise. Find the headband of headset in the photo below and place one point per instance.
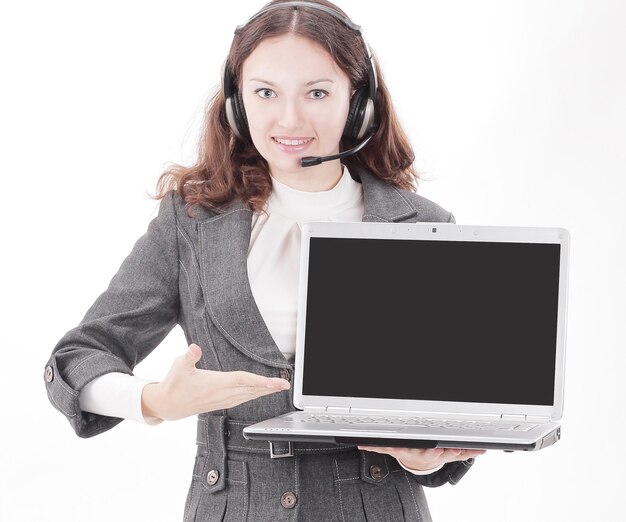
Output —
(234, 104)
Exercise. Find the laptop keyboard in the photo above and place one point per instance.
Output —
(419, 422)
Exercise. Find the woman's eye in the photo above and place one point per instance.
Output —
(318, 94)
(265, 93)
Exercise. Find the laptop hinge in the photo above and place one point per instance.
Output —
(515, 417)
(337, 409)
(537, 418)
(518, 417)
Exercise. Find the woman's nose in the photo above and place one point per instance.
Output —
(291, 115)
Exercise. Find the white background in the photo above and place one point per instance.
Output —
(517, 111)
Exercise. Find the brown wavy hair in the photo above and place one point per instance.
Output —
(229, 168)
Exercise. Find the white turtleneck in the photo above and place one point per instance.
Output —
(274, 251)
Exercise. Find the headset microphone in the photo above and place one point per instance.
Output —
(311, 161)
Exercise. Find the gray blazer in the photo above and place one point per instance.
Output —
(193, 272)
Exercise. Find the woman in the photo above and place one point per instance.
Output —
(221, 260)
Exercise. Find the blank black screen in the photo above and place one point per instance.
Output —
(432, 320)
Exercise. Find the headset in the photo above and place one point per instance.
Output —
(361, 123)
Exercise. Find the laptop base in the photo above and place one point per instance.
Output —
(547, 440)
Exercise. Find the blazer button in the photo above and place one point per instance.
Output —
(49, 374)
(285, 374)
(288, 500)
(376, 472)
(212, 477)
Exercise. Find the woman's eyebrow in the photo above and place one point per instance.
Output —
(262, 81)
(318, 81)
(307, 83)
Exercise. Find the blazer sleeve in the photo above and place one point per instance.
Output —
(125, 323)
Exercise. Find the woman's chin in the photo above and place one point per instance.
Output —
(290, 165)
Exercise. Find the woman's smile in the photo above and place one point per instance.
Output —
(292, 145)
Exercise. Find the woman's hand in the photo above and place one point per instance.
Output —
(424, 459)
(187, 390)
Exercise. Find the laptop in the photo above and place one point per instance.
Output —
(428, 335)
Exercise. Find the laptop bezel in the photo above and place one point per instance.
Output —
(443, 232)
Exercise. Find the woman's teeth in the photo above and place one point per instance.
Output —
(291, 142)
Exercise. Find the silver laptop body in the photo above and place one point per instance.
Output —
(428, 335)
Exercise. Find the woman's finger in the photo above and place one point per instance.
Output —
(375, 449)
(252, 380)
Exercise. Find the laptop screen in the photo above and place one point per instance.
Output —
(435, 320)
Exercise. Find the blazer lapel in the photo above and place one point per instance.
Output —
(224, 240)
(382, 202)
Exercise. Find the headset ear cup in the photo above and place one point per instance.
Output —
(353, 123)
(361, 118)
(240, 115)
(236, 116)
(230, 116)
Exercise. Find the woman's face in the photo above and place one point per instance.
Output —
(296, 100)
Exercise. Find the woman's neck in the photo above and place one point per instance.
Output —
(312, 179)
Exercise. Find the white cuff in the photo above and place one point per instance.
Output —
(116, 394)
(420, 472)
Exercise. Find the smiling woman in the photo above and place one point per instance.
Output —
(332, 72)
(221, 260)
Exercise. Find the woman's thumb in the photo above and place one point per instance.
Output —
(194, 352)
